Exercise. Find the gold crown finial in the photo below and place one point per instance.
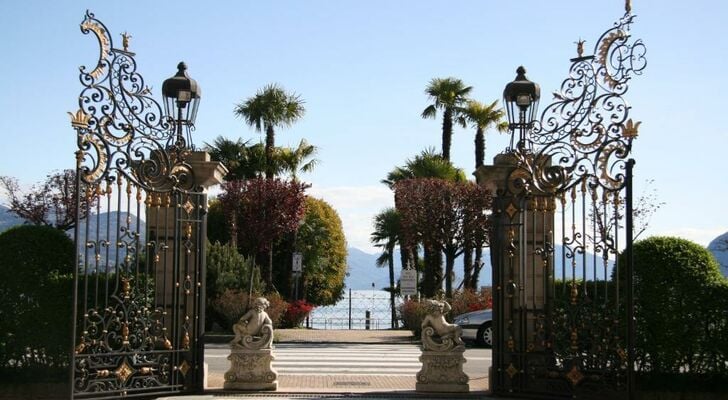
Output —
(125, 41)
(631, 128)
(80, 119)
(628, 6)
(580, 47)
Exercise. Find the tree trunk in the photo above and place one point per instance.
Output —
(253, 266)
(269, 278)
(391, 287)
(269, 147)
(479, 148)
(432, 281)
(477, 268)
(449, 269)
(446, 133)
(467, 267)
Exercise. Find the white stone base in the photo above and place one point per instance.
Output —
(442, 371)
(251, 370)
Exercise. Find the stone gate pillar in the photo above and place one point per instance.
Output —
(177, 237)
(522, 261)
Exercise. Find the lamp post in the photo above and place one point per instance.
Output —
(521, 102)
(181, 98)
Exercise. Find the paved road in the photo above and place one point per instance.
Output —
(348, 361)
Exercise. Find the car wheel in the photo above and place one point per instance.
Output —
(485, 335)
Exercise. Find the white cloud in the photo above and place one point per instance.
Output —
(357, 206)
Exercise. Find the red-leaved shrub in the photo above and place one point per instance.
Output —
(296, 313)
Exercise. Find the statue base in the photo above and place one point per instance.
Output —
(442, 371)
(251, 370)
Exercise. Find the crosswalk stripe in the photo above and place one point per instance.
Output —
(293, 359)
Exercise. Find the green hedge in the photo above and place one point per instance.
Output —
(681, 309)
(35, 303)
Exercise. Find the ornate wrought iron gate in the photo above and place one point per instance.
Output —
(140, 238)
(564, 323)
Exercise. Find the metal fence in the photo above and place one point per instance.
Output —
(359, 309)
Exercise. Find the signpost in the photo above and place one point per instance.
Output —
(297, 262)
(297, 269)
(408, 282)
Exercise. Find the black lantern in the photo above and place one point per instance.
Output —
(181, 99)
(521, 102)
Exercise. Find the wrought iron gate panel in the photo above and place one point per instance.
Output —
(563, 300)
(140, 239)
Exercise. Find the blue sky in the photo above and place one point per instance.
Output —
(362, 68)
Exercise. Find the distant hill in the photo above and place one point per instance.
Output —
(8, 219)
(363, 270)
(719, 248)
(116, 225)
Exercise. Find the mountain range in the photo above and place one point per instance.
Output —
(362, 270)
(8, 219)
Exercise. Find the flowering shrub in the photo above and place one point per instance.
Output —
(413, 312)
(296, 313)
(470, 300)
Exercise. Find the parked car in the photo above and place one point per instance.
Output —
(477, 326)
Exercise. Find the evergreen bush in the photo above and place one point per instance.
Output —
(681, 310)
(36, 263)
(226, 270)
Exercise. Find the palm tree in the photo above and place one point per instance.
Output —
(269, 108)
(427, 164)
(447, 94)
(230, 153)
(242, 160)
(298, 159)
(386, 236)
(481, 117)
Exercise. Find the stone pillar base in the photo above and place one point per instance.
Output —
(442, 371)
(251, 370)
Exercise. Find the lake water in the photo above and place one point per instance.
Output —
(351, 311)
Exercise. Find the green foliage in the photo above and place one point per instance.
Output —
(36, 263)
(681, 307)
(218, 226)
(322, 242)
(226, 270)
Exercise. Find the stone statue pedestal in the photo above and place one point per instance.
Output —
(251, 369)
(442, 371)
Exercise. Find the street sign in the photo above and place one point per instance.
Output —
(297, 262)
(408, 282)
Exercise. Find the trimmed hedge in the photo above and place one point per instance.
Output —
(681, 308)
(36, 263)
